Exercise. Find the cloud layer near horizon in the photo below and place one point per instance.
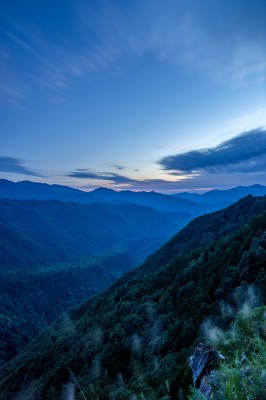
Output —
(245, 153)
(105, 176)
(15, 165)
(240, 160)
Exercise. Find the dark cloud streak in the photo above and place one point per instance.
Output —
(243, 153)
(15, 165)
(119, 167)
(106, 176)
(116, 178)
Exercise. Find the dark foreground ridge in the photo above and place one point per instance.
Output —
(135, 338)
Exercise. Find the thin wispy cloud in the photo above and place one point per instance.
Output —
(223, 40)
(15, 165)
(120, 181)
(226, 41)
(104, 176)
(11, 91)
(240, 159)
(204, 182)
(244, 153)
(11, 95)
(118, 167)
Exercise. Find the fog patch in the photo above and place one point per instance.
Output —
(136, 345)
(69, 391)
(120, 379)
(251, 302)
(212, 333)
(246, 299)
(96, 368)
(226, 310)
(67, 324)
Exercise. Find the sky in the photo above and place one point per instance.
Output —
(164, 95)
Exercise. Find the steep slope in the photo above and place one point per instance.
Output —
(41, 272)
(32, 298)
(240, 375)
(38, 232)
(135, 338)
(229, 195)
(18, 249)
(204, 230)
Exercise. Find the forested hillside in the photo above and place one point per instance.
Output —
(135, 338)
(33, 298)
(205, 230)
(40, 232)
(54, 255)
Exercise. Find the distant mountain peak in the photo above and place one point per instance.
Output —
(229, 195)
(103, 190)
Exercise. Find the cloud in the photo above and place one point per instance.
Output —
(118, 167)
(245, 153)
(15, 165)
(238, 161)
(105, 176)
(120, 181)
(225, 40)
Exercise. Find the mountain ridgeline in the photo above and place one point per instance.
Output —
(193, 203)
(41, 191)
(135, 338)
(229, 195)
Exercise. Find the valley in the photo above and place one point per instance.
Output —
(142, 329)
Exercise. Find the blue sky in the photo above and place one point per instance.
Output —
(164, 95)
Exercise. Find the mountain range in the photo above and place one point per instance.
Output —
(229, 195)
(193, 203)
(27, 190)
(60, 246)
(135, 338)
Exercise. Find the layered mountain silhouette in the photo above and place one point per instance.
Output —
(41, 191)
(229, 195)
(135, 338)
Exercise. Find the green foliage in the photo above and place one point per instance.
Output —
(135, 338)
(55, 255)
(33, 298)
(243, 376)
(243, 373)
(195, 394)
(35, 233)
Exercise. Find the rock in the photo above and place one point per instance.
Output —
(203, 363)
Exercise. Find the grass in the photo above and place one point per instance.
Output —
(242, 376)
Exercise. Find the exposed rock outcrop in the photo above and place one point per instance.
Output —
(203, 363)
